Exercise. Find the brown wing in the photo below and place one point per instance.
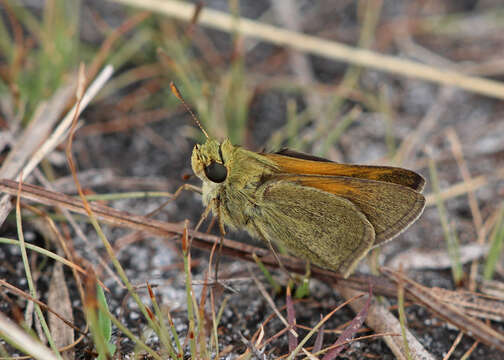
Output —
(389, 207)
(298, 163)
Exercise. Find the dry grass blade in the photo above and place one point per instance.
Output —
(469, 325)
(319, 325)
(464, 187)
(288, 14)
(45, 117)
(454, 345)
(474, 304)
(58, 134)
(107, 46)
(253, 349)
(383, 321)
(470, 351)
(27, 142)
(59, 300)
(436, 259)
(330, 49)
(36, 132)
(291, 318)
(350, 331)
(272, 303)
(309, 355)
(319, 340)
(125, 122)
(23, 294)
(106, 213)
(417, 138)
(456, 148)
(13, 334)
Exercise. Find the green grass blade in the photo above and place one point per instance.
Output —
(495, 247)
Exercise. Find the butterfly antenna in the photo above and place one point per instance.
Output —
(176, 92)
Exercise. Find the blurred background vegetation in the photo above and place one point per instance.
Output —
(256, 90)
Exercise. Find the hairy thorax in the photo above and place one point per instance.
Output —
(235, 200)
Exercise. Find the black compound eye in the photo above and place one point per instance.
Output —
(216, 172)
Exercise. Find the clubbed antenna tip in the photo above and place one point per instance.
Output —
(176, 92)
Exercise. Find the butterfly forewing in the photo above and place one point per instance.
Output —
(298, 163)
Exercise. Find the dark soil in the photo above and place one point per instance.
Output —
(477, 120)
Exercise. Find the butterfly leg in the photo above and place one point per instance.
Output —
(221, 239)
(185, 187)
(203, 217)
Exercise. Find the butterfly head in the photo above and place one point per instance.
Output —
(208, 161)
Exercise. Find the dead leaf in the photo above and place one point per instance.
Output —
(59, 300)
